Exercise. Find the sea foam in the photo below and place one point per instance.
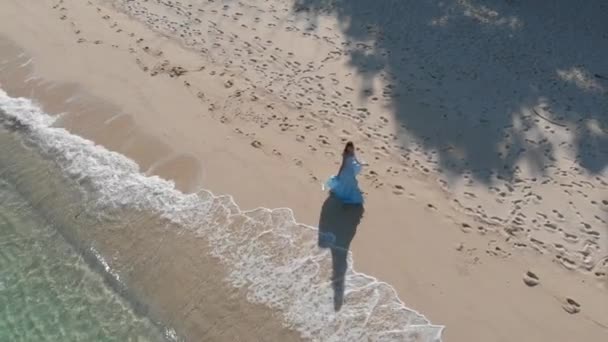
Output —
(266, 252)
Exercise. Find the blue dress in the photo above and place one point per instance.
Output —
(345, 186)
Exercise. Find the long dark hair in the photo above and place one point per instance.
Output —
(348, 145)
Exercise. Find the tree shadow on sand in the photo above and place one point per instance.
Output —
(463, 75)
(338, 224)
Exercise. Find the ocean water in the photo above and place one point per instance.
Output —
(271, 258)
(48, 292)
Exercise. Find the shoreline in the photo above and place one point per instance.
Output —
(415, 285)
(59, 274)
(196, 220)
(136, 254)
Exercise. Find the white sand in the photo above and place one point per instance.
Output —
(474, 88)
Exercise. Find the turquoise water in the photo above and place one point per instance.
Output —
(58, 186)
(48, 292)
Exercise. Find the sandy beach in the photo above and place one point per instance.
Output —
(485, 128)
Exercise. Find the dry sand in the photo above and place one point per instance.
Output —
(478, 175)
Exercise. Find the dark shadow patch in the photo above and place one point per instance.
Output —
(337, 227)
(462, 72)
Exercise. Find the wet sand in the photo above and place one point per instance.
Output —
(191, 117)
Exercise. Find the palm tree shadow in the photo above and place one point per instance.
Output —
(337, 227)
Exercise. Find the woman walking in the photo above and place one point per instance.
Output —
(344, 185)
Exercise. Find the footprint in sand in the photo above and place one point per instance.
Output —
(571, 238)
(566, 262)
(571, 306)
(466, 228)
(141, 65)
(398, 190)
(559, 247)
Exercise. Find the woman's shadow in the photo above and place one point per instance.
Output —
(337, 228)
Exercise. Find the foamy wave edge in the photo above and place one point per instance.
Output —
(266, 252)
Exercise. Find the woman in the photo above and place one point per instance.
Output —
(344, 186)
